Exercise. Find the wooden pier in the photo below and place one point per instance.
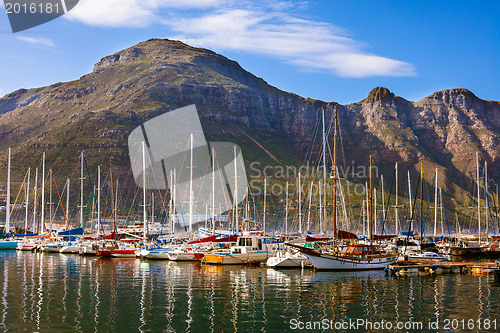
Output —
(419, 267)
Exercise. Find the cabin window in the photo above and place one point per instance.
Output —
(259, 244)
(358, 249)
(249, 242)
(241, 242)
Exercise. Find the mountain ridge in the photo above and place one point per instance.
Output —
(97, 112)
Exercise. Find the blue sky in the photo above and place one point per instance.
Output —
(328, 50)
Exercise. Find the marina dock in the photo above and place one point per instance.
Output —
(417, 267)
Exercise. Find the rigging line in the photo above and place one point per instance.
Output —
(222, 185)
(446, 218)
(266, 151)
(388, 201)
(60, 200)
(180, 207)
(92, 188)
(487, 200)
(85, 213)
(110, 209)
(203, 185)
(279, 212)
(258, 201)
(312, 143)
(136, 189)
(429, 203)
(18, 193)
(412, 211)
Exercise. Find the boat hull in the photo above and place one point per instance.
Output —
(182, 256)
(344, 263)
(278, 262)
(51, 249)
(116, 253)
(26, 246)
(8, 245)
(237, 258)
(124, 254)
(156, 254)
(70, 249)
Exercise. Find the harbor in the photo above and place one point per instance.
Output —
(239, 166)
(49, 291)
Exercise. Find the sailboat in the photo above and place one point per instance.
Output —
(4, 243)
(353, 257)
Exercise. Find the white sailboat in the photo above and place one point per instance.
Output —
(353, 257)
(4, 243)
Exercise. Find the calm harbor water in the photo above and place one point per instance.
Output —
(69, 293)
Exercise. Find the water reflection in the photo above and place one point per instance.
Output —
(53, 292)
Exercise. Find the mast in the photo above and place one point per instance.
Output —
(50, 203)
(478, 198)
(81, 191)
(335, 173)
(364, 218)
(300, 207)
(67, 202)
(35, 202)
(371, 200)
(421, 200)
(376, 206)
(435, 202)
(152, 209)
(213, 191)
(323, 213)
(171, 184)
(93, 209)
(236, 196)
(27, 202)
(367, 203)
(320, 207)
(441, 209)
(309, 207)
(286, 210)
(98, 198)
(485, 194)
(396, 208)
(265, 201)
(116, 202)
(383, 199)
(7, 216)
(409, 197)
(173, 202)
(144, 198)
(191, 186)
(42, 217)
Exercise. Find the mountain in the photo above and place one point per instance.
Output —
(97, 112)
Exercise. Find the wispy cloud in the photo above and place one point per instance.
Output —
(37, 41)
(129, 13)
(267, 29)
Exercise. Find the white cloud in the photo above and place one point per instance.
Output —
(128, 13)
(308, 44)
(37, 41)
(263, 27)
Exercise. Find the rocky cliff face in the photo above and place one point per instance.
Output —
(97, 112)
